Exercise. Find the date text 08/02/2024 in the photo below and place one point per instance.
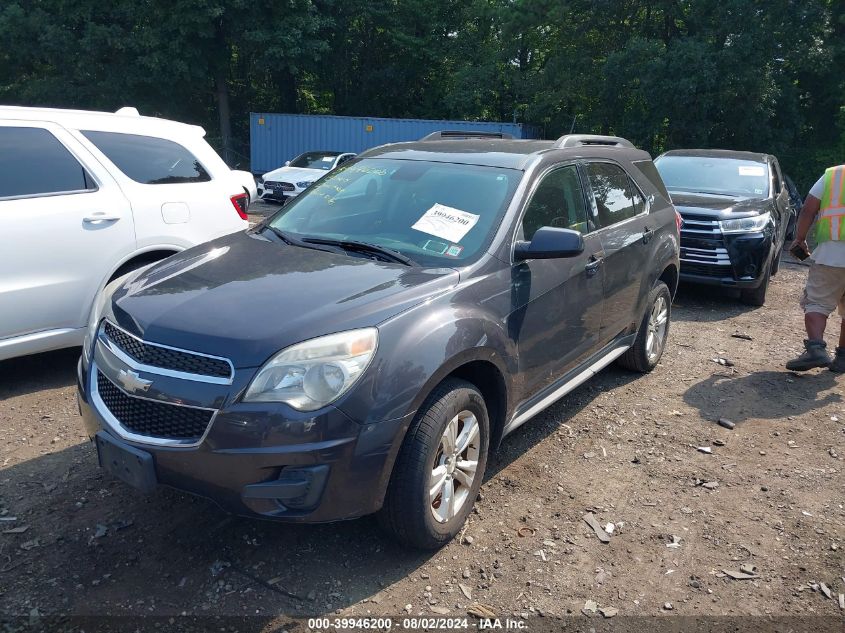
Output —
(415, 624)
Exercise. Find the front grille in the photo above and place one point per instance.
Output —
(166, 358)
(283, 186)
(703, 249)
(150, 418)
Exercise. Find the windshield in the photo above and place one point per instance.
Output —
(315, 160)
(437, 214)
(709, 174)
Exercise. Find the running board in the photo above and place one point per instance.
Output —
(565, 388)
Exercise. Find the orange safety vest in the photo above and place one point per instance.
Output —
(830, 224)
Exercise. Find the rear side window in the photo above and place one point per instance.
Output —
(617, 199)
(149, 160)
(650, 171)
(557, 202)
(34, 162)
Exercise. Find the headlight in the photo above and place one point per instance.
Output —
(304, 184)
(746, 225)
(310, 375)
(100, 303)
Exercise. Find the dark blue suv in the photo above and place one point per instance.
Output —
(366, 348)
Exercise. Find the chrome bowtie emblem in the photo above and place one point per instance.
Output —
(132, 382)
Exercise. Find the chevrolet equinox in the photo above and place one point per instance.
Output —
(367, 348)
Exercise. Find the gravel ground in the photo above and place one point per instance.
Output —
(623, 446)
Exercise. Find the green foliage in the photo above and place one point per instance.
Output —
(746, 74)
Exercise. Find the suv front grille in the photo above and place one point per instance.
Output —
(166, 358)
(150, 418)
(703, 249)
(274, 186)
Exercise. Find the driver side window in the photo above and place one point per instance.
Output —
(558, 202)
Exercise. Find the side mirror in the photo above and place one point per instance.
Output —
(550, 243)
(287, 163)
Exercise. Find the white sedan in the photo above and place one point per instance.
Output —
(298, 174)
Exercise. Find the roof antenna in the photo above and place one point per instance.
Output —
(572, 127)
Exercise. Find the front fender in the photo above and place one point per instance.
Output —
(417, 351)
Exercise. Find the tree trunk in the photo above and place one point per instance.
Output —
(222, 91)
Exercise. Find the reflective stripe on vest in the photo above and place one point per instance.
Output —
(831, 221)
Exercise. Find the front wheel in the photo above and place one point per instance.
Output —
(439, 468)
(756, 296)
(647, 349)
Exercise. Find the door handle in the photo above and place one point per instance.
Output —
(647, 234)
(96, 218)
(594, 264)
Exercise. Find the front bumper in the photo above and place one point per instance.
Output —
(257, 461)
(746, 260)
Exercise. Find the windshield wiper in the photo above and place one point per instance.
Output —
(364, 247)
(706, 193)
(292, 240)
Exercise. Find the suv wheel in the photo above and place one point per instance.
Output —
(776, 261)
(647, 349)
(439, 468)
(756, 296)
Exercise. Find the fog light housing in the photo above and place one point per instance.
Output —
(296, 488)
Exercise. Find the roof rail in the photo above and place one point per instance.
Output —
(459, 134)
(128, 111)
(576, 140)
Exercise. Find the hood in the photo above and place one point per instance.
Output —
(245, 297)
(719, 207)
(294, 174)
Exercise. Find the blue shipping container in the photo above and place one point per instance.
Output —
(276, 138)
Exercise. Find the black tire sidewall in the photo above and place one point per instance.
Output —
(659, 289)
(459, 399)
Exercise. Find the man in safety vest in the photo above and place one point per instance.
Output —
(825, 289)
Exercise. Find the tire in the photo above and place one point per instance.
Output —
(642, 355)
(410, 514)
(776, 262)
(756, 296)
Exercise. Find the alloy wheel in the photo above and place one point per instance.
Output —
(455, 466)
(657, 323)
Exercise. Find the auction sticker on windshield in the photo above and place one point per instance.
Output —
(752, 170)
(446, 223)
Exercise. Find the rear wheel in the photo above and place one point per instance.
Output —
(647, 349)
(439, 469)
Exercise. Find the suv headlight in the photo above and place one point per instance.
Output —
(746, 225)
(304, 184)
(100, 302)
(310, 375)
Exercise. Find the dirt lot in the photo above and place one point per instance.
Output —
(622, 446)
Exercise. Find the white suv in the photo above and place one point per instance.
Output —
(88, 196)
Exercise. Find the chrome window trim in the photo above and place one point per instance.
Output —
(151, 369)
(124, 433)
(50, 194)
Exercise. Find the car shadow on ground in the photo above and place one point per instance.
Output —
(766, 395)
(30, 374)
(96, 547)
(697, 303)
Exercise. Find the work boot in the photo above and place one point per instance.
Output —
(815, 356)
(838, 364)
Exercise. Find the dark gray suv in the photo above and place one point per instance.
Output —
(366, 348)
